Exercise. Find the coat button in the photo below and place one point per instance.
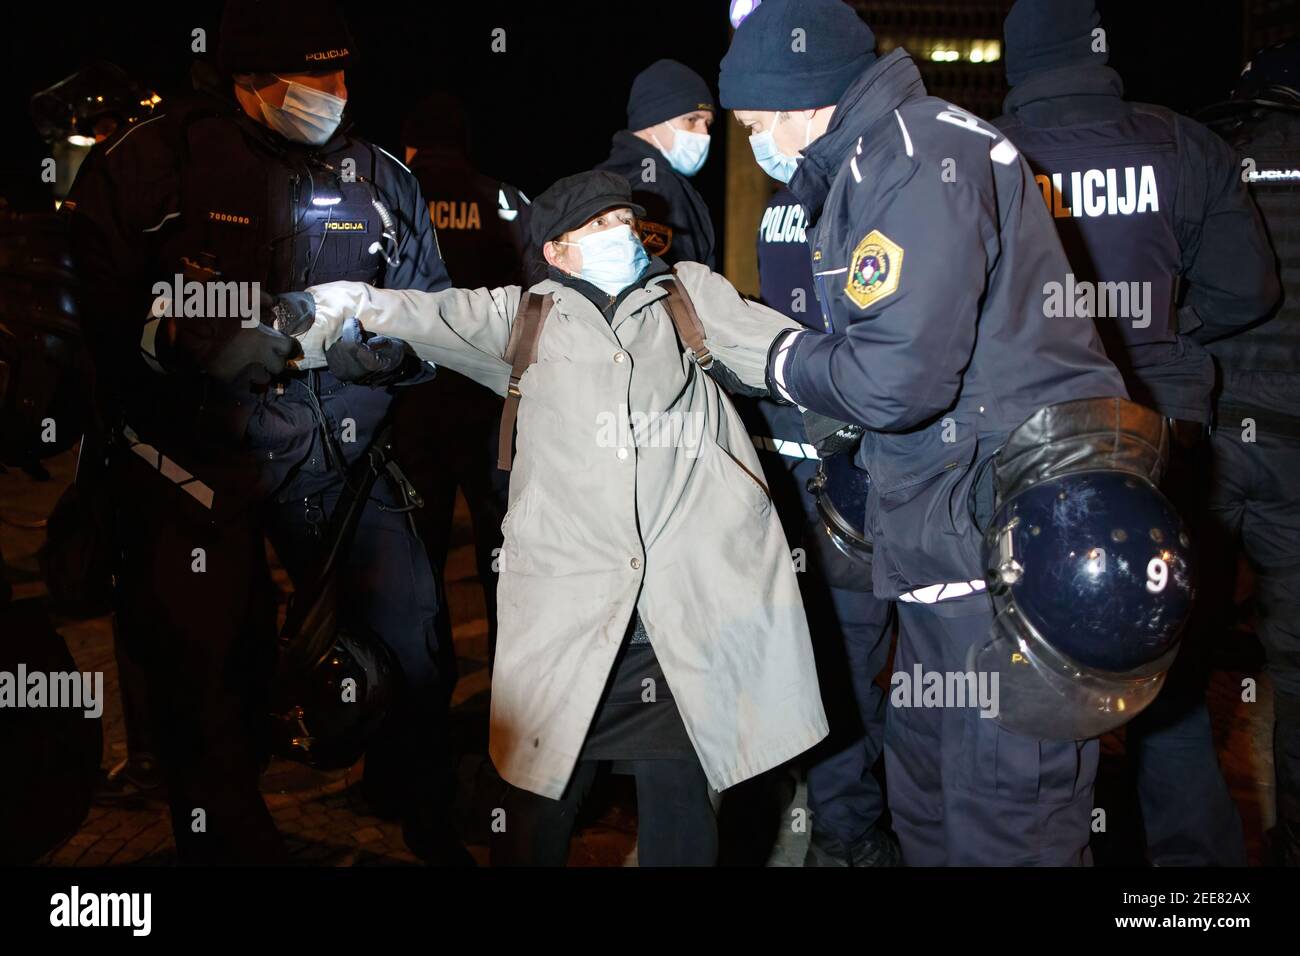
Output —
(622, 454)
(636, 564)
(619, 356)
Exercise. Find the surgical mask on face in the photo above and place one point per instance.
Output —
(611, 260)
(689, 151)
(774, 162)
(307, 115)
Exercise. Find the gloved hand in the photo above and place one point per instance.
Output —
(375, 360)
(731, 382)
(293, 312)
(260, 353)
(831, 436)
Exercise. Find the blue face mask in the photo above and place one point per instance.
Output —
(613, 259)
(689, 151)
(774, 162)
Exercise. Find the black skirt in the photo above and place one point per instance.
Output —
(635, 720)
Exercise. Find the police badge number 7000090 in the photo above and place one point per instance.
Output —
(874, 269)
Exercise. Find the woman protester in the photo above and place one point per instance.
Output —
(648, 608)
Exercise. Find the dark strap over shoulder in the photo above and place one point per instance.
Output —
(521, 352)
(687, 321)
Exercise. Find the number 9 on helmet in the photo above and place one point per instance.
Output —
(1092, 578)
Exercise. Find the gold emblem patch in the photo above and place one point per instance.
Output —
(874, 269)
(656, 238)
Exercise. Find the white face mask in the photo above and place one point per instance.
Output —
(307, 115)
(612, 259)
(689, 151)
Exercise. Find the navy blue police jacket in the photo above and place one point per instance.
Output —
(676, 226)
(786, 284)
(1261, 366)
(1158, 225)
(203, 184)
(931, 251)
(481, 222)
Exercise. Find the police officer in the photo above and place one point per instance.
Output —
(669, 112)
(445, 431)
(1161, 233)
(939, 348)
(1256, 441)
(253, 189)
(850, 626)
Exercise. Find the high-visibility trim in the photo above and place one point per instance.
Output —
(169, 468)
(934, 593)
(148, 345)
(392, 157)
(131, 130)
(907, 138)
(785, 446)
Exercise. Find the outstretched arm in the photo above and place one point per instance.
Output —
(465, 330)
(738, 332)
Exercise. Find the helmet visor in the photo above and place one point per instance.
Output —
(1042, 694)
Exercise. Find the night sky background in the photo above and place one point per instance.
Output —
(547, 106)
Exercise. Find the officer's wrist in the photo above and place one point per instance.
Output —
(778, 359)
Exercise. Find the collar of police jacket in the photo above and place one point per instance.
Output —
(885, 85)
(1053, 96)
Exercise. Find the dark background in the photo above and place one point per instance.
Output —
(548, 105)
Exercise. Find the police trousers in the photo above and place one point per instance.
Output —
(962, 790)
(1188, 816)
(445, 437)
(1254, 503)
(851, 635)
(197, 612)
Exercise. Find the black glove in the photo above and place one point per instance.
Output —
(259, 353)
(831, 436)
(292, 312)
(225, 349)
(731, 383)
(375, 360)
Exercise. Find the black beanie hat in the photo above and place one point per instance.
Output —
(283, 36)
(770, 67)
(665, 89)
(1049, 34)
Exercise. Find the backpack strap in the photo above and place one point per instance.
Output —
(687, 321)
(521, 352)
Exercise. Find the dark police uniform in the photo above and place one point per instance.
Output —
(850, 626)
(204, 190)
(933, 286)
(1151, 204)
(676, 226)
(1256, 446)
(446, 430)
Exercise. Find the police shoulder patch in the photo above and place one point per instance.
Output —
(874, 269)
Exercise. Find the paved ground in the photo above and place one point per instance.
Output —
(328, 823)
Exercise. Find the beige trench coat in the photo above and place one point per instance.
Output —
(635, 485)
